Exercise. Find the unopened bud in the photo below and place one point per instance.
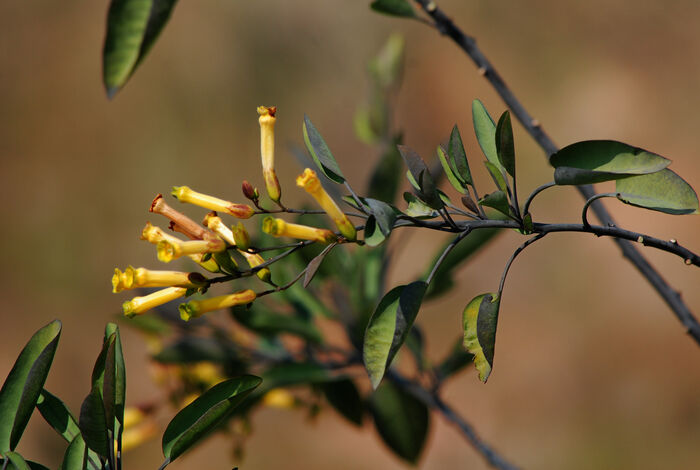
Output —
(249, 191)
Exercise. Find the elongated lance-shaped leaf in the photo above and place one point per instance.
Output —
(57, 414)
(388, 327)
(401, 420)
(594, 161)
(497, 176)
(320, 152)
(485, 130)
(480, 319)
(505, 146)
(496, 200)
(393, 7)
(132, 28)
(421, 177)
(204, 414)
(345, 398)
(117, 376)
(458, 157)
(23, 385)
(76, 456)
(93, 424)
(663, 191)
(449, 172)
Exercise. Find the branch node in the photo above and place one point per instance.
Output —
(483, 71)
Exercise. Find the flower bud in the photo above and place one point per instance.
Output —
(169, 250)
(196, 308)
(267, 150)
(240, 236)
(312, 185)
(249, 191)
(280, 228)
(185, 194)
(139, 305)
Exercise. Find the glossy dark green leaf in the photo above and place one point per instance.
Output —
(451, 177)
(57, 414)
(458, 257)
(388, 327)
(320, 152)
(485, 130)
(15, 461)
(384, 183)
(457, 359)
(205, 413)
(23, 385)
(417, 208)
(132, 28)
(480, 319)
(496, 200)
(264, 321)
(594, 161)
(345, 398)
(458, 157)
(421, 175)
(393, 7)
(497, 177)
(505, 146)
(401, 420)
(93, 423)
(76, 456)
(663, 191)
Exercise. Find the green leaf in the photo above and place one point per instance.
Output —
(455, 361)
(663, 191)
(344, 397)
(497, 176)
(458, 157)
(467, 247)
(386, 68)
(264, 321)
(204, 414)
(416, 207)
(496, 200)
(295, 373)
(380, 222)
(505, 146)
(16, 461)
(401, 420)
(384, 183)
(57, 414)
(421, 175)
(132, 28)
(320, 152)
(388, 327)
(76, 456)
(393, 7)
(451, 177)
(93, 423)
(594, 161)
(480, 319)
(115, 378)
(23, 385)
(485, 130)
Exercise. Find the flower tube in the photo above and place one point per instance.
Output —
(280, 228)
(185, 194)
(168, 250)
(267, 150)
(139, 305)
(184, 224)
(311, 184)
(197, 308)
(155, 235)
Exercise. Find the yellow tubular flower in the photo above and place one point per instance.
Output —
(279, 398)
(197, 308)
(214, 223)
(311, 184)
(122, 280)
(169, 250)
(267, 150)
(139, 305)
(142, 277)
(254, 259)
(240, 236)
(185, 194)
(280, 228)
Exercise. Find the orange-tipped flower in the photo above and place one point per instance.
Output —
(280, 228)
(185, 194)
(197, 308)
(170, 250)
(139, 305)
(312, 185)
(267, 150)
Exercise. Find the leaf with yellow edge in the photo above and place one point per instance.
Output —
(480, 318)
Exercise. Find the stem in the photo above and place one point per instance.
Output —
(445, 25)
(526, 207)
(584, 212)
(359, 203)
(515, 254)
(444, 254)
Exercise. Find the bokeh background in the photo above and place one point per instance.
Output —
(592, 369)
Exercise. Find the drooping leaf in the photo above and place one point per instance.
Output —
(458, 157)
(393, 7)
(663, 191)
(480, 319)
(76, 456)
(344, 397)
(315, 263)
(416, 207)
(93, 423)
(388, 327)
(384, 183)
(23, 385)
(457, 359)
(57, 414)
(594, 161)
(497, 176)
(421, 175)
(485, 130)
(451, 177)
(320, 152)
(401, 420)
(132, 28)
(265, 321)
(505, 147)
(496, 200)
(204, 414)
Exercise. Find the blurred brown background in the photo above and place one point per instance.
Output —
(592, 369)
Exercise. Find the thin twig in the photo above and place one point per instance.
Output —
(535, 192)
(591, 200)
(445, 25)
(444, 254)
(515, 254)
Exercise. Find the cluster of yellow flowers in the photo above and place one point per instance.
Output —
(212, 244)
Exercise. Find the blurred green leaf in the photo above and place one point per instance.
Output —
(132, 28)
(93, 424)
(401, 420)
(344, 397)
(663, 191)
(15, 461)
(594, 161)
(23, 385)
(204, 414)
(485, 130)
(505, 147)
(416, 207)
(320, 152)
(496, 200)
(388, 327)
(451, 177)
(497, 177)
(76, 456)
(421, 176)
(190, 349)
(295, 373)
(148, 324)
(57, 414)
(458, 157)
(386, 67)
(480, 319)
(393, 7)
(264, 321)
(457, 359)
